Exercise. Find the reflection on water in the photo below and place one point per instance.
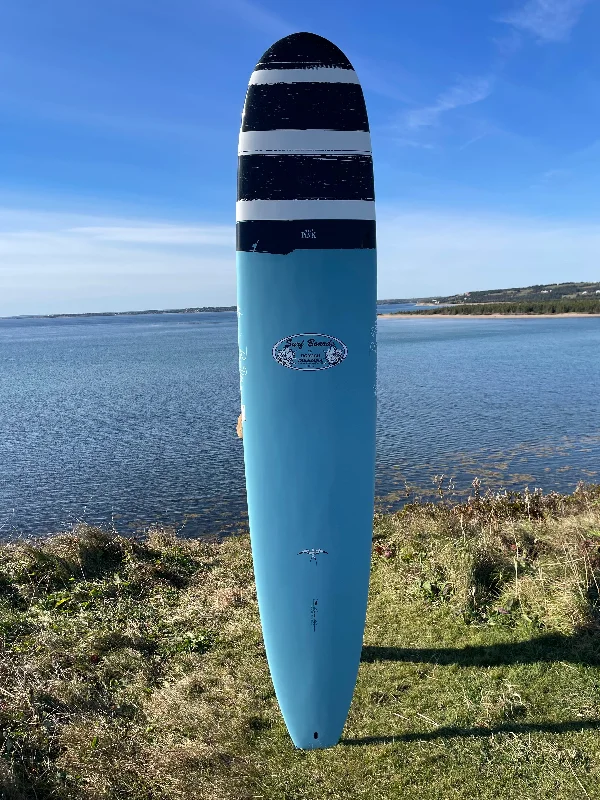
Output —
(131, 420)
(511, 401)
(508, 469)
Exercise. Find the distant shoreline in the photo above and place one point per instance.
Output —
(205, 309)
(413, 315)
(216, 309)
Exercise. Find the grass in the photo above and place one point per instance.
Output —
(135, 668)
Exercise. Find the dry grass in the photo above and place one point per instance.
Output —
(136, 669)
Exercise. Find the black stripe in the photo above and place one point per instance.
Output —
(301, 177)
(281, 237)
(303, 50)
(331, 106)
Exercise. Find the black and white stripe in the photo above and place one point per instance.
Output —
(305, 171)
(305, 177)
(333, 106)
(308, 142)
(304, 75)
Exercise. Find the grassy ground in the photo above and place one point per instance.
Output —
(135, 668)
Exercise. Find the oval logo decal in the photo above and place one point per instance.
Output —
(309, 351)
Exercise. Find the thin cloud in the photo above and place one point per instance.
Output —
(465, 93)
(433, 252)
(32, 88)
(550, 174)
(219, 235)
(62, 263)
(507, 45)
(473, 139)
(251, 13)
(547, 20)
(134, 126)
(551, 177)
(412, 143)
(385, 79)
(71, 263)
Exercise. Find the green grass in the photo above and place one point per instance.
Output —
(136, 669)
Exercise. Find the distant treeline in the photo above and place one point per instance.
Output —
(590, 306)
(127, 313)
(397, 301)
(540, 293)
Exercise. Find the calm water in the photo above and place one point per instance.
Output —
(131, 420)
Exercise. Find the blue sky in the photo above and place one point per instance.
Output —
(118, 140)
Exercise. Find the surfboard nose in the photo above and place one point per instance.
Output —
(304, 82)
(303, 51)
(305, 175)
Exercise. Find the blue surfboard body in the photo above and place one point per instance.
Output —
(306, 289)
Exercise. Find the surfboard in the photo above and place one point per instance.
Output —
(306, 295)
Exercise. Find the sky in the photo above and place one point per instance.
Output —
(118, 143)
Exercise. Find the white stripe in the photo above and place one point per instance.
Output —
(304, 209)
(304, 142)
(310, 75)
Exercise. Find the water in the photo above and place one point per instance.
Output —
(131, 420)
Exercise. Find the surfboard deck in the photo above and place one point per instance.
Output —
(306, 286)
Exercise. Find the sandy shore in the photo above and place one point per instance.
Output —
(483, 316)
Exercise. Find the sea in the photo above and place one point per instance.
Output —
(129, 422)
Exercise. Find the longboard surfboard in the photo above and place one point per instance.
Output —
(306, 295)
